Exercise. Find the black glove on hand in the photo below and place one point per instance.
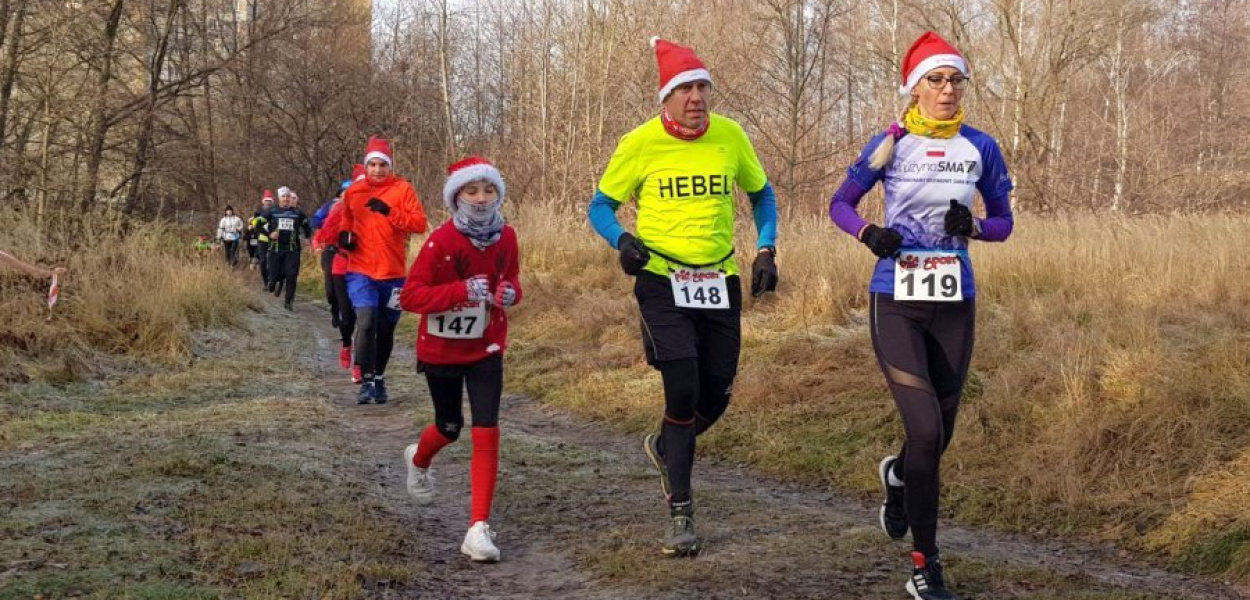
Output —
(347, 241)
(763, 274)
(378, 206)
(634, 254)
(958, 220)
(883, 241)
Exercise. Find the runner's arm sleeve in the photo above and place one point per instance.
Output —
(221, 228)
(328, 235)
(860, 178)
(995, 186)
(764, 209)
(410, 217)
(603, 217)
(347, 222)
(306, 228)
(420, 294)
(319, 217)
(513, 270)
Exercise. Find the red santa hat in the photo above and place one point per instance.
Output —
(379, 148)
(268, 195)
(929, 52)
(473, 168)
(358, 172)
(678, 65)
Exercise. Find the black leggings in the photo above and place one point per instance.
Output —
(262, 256)
(232, 251)
(375, 338)
(484, 379)
(327, 273)
(347, 314)
(695, 397)
(924, 349)
(284, 271)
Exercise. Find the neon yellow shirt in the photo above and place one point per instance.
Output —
(685, 189)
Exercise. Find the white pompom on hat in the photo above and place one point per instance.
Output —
(927, 53)
(678, 65)
(473, 168)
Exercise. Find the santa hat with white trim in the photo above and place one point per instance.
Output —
(379, 148)
(678, 65)
(460, 174)
(929, 52)
(358, 172)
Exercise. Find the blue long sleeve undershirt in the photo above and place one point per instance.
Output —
(602, 215)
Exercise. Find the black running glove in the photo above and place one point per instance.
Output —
(883, 241)
(959, 220)
(378, 206)
(347, 240)
(764, 273)
(634, 254)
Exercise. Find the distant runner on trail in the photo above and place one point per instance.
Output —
(463, 282)
(257, 225)
(328, 249)
(681, 167)
(923, 295)
(285, 226)
(379, 213)
(229, 232)
(345, 319)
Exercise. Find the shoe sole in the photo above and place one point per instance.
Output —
(482, 558)
(658, 463)
(680, 552)
(883, 472)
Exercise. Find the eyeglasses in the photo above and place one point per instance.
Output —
(937, 82)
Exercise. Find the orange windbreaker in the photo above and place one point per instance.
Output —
(381, 241)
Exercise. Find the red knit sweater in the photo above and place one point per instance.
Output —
(436, 285)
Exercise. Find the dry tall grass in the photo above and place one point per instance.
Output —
(130, 297)
(1109, 399)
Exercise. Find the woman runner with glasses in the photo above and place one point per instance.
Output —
(922, 294)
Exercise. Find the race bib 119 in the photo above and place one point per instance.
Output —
(928, 276)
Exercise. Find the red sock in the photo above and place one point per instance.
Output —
(432, 440)
(485, 470)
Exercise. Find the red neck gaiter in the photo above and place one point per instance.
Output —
(680, 131)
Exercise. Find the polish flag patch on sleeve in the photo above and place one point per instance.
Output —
(935, 152)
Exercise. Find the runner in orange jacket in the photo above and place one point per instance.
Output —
(378, 215)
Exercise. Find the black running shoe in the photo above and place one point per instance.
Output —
(288, 305)
(893, 509)
(379, 391)
(366, 393)
(651, 445)
(681, 539)
(926, 581)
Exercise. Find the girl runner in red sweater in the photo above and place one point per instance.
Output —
(462, 283)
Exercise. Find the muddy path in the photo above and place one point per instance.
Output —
(579, 515)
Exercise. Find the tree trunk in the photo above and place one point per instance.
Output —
(99, 120)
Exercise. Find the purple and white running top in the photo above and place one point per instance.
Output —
(925, 175)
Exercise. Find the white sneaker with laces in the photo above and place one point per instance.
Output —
(479, 543)
(420, 483)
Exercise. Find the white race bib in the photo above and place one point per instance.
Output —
(699, 288)
(286, 224)
(393, 303)
(253, 242)
(928, 276)
(460, 323)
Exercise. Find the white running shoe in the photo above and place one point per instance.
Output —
(420, 483)
(479, 543)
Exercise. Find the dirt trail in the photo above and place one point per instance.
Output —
(579, 515)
